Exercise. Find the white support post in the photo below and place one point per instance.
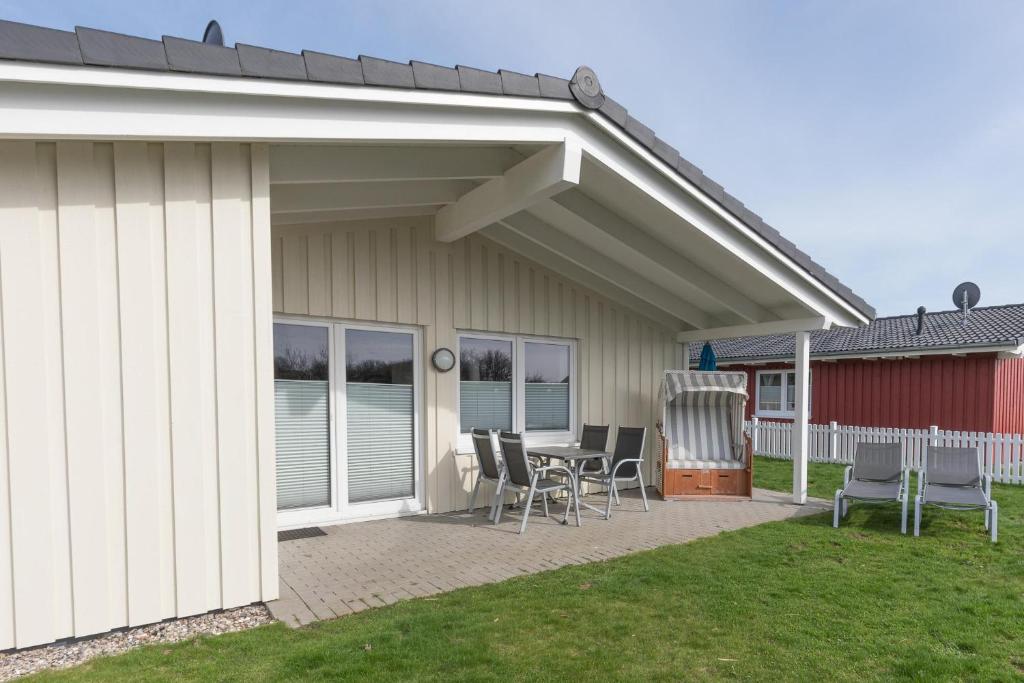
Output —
(800, 413)
(755, 434)
(683, 362)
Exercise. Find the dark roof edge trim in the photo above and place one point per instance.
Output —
(979, 347)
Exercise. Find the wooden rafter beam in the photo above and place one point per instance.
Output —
(776, 327)
(583, 256)
(577, 206)
(548, 172)
(291, 164)
(510, 239)
(332, 197)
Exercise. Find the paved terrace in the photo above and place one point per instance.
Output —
(370, 564)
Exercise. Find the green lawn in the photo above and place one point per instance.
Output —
(792, 600)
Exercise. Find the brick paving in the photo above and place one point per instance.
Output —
(371, 564)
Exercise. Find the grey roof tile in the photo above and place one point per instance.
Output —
(642, 133)
(478, 80)
(194, 57)
(332, 69)
(37, 44)
(666, 152)
(386, 73)
(614, 111)
(513, 83)
(734, 205)
(990, 326)
(103, 48)
(689, 171)
(20, 41)
(554, 87)
(266, 63)
(433, 77)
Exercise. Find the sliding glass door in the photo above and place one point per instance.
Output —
(346, 406)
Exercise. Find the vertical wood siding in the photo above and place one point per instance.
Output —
(954, 393)
(1009, 396)
(393, 271)
(135, 333)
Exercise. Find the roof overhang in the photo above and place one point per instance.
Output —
(570, 189)
(1002, 350)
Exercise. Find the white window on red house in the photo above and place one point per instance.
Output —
(776, 393)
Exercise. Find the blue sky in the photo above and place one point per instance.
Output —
(885, 139)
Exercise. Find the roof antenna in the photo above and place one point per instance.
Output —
(921, 310)
(213, 35)
(965, 297)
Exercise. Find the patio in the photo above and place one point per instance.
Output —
(371, 564)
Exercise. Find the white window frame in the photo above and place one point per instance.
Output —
(340, 510)
(559, 437)
(783, 395)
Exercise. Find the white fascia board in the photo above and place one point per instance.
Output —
(826, 301)
(755, 330)
(180, 82)
(39, 101)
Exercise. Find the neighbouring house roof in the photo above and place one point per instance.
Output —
(95, 48)
(994, 326)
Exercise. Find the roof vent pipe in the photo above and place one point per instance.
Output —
(213, 35)
(921, 310)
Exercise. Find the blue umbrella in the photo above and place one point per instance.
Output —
(708, 361)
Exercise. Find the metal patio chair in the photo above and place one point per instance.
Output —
(626, 463)
(878, 475)
(491, 468)
(594, 438)
(522, 475)
(952, 479)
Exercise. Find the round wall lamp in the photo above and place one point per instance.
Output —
(443, 360)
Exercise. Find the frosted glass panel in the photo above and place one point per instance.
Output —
(381, 464)
(302, 439)
(547, 407)
(485, 405)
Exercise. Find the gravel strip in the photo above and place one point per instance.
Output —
(63, 655)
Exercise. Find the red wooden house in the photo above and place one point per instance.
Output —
(909, 371)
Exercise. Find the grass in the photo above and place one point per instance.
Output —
(792, 600)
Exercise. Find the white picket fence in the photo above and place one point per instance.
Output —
(1003, 453)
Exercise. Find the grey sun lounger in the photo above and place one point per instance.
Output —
(952, 479)
(878, 475)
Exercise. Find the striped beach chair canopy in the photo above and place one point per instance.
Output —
(703, 418)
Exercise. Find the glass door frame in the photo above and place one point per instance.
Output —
(339, 509)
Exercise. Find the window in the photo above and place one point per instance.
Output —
(546, 388)
(523, 384)
(776, 393)
(485, 384)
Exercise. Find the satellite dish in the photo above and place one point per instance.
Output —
(966, 296)
(213, 35)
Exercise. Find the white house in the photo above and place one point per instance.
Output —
(201, 246)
